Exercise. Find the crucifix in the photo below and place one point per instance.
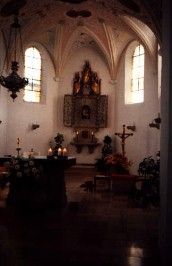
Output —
(123, 137)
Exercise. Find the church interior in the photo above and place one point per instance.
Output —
(85, 81)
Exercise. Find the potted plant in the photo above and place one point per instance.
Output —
(107, 147)
(149, 173)
(106, 150)
(58, 142)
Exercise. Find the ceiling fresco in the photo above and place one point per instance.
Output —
(72, 24)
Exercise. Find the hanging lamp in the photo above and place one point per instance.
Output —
(13, 82)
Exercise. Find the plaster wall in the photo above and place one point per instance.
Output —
(76, 64)
(18, 116)
(145, 140)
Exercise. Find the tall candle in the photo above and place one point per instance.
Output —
(50, 151)
(92, 135)
(77, 133)
(59, 151)
(64, 151)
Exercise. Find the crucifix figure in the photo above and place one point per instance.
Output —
(123, 137)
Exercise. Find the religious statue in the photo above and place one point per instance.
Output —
(86, 73)
(76, 83)
(85, 112)
(95, 84)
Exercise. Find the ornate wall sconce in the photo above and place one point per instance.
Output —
(133, 127)
(156, 122)
(35, 126)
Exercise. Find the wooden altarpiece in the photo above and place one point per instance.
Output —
(86, 109)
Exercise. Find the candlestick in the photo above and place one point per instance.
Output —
(18, 151)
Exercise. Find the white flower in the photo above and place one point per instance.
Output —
(31, 163)
(17, 166)
(19, 174)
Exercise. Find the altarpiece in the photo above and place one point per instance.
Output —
(86, 109)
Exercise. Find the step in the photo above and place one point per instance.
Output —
(82, 169)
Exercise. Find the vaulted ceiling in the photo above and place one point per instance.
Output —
(103, 24)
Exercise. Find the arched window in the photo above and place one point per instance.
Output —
(33, 65)
(134, 73)
(137, 75)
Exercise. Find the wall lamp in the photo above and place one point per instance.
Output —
(133, 127)
(156, 122)
(35, 126)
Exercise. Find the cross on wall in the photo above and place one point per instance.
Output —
(123, 137)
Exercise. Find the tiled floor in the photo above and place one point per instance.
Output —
(96, 228)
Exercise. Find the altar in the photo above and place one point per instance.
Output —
(52, 192)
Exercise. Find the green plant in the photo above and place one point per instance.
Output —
(149, 173)
(106, 150)
(58, 142)
(107, 147)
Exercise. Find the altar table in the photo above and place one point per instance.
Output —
(54, 175)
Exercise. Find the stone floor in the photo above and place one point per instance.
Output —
(98, 228)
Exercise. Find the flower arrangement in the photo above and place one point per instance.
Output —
(25, 178)
(23, 167)
(115, 163)
(118, 162)
(22, 171)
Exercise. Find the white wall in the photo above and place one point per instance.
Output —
(18, 116)
(145, 140)
(76, 64)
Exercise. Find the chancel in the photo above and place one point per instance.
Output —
(85, 68)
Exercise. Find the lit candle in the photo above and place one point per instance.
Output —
(64, 151)
(50, 152)
(92, 135)
(59, 151)
(77, 133)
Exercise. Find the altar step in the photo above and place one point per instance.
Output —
(81, 170)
